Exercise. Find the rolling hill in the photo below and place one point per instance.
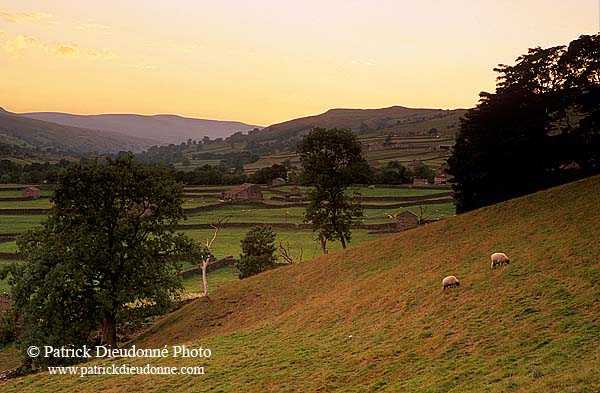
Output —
(23, 131)
(163, 128)
(374, 318)
(365, 120)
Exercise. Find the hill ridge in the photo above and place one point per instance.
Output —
(165, 128)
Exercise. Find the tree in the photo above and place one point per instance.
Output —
(107, 243)
(540, 128)
(257, 251)
(424, 172)
(393, 172)
(267, 174)
(203, 252)
(332, 160)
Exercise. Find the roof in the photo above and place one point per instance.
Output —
(279, 179)
(405, 213)
(31, 189)
(241, 188)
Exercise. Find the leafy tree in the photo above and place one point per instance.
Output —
(424, 172)
(393, 172)
(540, 128)
(258, 250)
(332, 159)
(266, 175)
(107, 243)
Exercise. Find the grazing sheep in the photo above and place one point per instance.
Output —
(499, 258)
(450, 281)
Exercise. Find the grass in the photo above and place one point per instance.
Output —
(374, 318)
(295, 215)
(216, 279)
(19, 223)
(228, 241)
(8, 247)
(29, 204)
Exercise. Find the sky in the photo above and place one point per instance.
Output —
(267, 61)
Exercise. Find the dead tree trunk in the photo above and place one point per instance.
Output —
(205, 261)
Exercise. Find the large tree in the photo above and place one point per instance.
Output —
(108, 244)
(540, 127)
(332, 160)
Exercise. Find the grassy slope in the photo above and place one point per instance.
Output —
(531, 326)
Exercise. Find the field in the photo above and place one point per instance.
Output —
(374, 317)
(240, 218)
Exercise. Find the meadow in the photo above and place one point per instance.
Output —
(240, 218)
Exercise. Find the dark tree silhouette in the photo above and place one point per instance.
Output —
(540, 128)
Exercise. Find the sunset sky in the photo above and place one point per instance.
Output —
(264, 62)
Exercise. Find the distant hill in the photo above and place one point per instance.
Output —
(364, 120)
(163, 128)
(26, 132)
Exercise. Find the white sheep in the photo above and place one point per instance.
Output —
(450, 281)
(499, 258)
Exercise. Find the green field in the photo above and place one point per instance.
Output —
(28, 204)
(215, 280)
(20, 223)
(228, 241)
(193, 197)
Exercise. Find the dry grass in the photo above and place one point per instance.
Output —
(531, 326)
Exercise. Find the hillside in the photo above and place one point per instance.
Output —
(162, 128)
(364, 120)
(374, 317)
(19, 130)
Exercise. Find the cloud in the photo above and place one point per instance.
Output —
(22, 42)
(100, 54)
(91, 26)
(62, 50)
(25, 16)
(143, 66)
(364, 63)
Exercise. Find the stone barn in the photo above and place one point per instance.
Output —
(278, 181)
(31, 192)
(244, 192)
(295, 191)
(406, 220)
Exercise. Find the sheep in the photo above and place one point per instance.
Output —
(450, 281)
(499, 258)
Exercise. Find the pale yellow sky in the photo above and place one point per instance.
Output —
(264, 62)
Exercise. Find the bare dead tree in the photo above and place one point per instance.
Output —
(285, 250)
(216, 226)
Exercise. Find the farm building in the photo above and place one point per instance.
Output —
(406, 220)
(441, 175)
(278, 181)
(420, 182)
(244, 192)
(440, 179)
(31, 192)
(295, 191)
